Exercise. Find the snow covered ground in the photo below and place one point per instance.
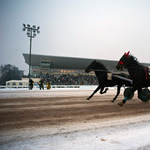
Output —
(132, 133)
(53, 92)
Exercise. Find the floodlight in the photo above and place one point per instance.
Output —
(28, 33)
(34, 34)
(24, 25)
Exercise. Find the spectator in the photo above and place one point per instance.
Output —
(73, 80)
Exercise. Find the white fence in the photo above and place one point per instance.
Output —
(52, 86)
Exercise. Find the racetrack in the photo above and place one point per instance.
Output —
(29, 118)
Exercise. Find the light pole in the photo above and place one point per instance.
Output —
(31, 32)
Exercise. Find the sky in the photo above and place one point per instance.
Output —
(99, 29)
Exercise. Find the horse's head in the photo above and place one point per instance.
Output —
(123, 61)
(90, 67)
(95, 65)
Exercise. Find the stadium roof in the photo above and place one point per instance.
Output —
(70, 63)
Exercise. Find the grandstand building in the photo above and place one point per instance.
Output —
(42, 65)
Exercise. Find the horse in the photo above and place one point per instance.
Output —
(138, 73)
(101, 73)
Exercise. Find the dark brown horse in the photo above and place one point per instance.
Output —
(101, 73)
(139, 75)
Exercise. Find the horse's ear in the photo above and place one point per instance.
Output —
(127, 55)
(128, 52)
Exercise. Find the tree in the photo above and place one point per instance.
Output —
(8, 72)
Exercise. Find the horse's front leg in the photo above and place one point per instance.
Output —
(118, 92)
(139, 93)
(101, 91)
(93, 93)
(126, 98)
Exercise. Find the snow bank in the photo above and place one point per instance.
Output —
(124, 133)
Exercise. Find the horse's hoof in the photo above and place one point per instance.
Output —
(112, 101)
(88, 99)
(120, 104)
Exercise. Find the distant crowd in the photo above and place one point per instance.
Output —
(73, 80)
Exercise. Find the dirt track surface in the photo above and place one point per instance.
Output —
(22, 113)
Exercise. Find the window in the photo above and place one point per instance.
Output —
(14, 83)
(20, 83)
(8, 83)
(45, 64)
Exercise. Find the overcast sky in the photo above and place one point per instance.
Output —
(100, 29)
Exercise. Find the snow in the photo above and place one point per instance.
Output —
(132, 133)
(117, 134)
(53, 92)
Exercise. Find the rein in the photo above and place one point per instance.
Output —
(136, 74)
(99, 70)
(140, 72)
(146, 73)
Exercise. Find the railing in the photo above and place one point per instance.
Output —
(52, 86)
(37, 86)
(65, 86)
(13, 86)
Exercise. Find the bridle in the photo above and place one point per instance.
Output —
(124, 64)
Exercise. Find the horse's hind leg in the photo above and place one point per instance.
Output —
(101, 91)
(93, 93)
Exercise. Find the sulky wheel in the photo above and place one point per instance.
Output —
(126, 92)
(144, 95)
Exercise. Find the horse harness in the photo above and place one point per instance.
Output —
(147, 73)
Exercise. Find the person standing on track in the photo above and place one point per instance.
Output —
(41, 84)
(48, 85)
(31, 82)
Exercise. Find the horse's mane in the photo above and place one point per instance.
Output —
(102, 67)
(134, 59)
